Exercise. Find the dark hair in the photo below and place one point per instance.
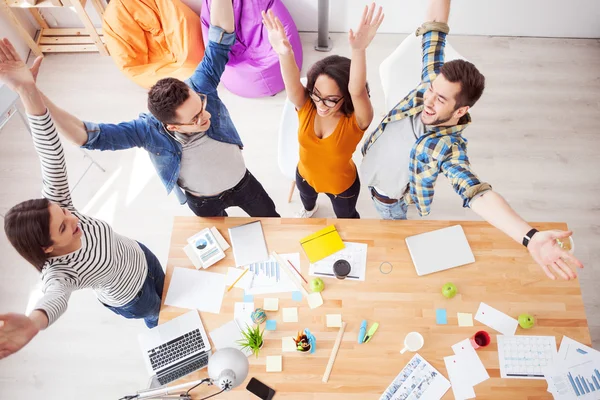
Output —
(338, 69)
(27, 226)
(472, 82)
(165, 97)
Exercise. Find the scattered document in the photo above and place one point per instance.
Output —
(466, 354)
(465, 319)
(242, 313)
(571, 349)
(459, 378)
(496, 320)
(228, 335)
(265, 277)
(274, 363)
(525, 357)
(288, 344)
(198, 290)
(248, 242)
(417, 380)
(334, 320)
(354, 253)
(290, 314)
(205, 249)
(271, 304)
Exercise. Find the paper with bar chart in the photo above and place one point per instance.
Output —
(579, 379)
(265, 277)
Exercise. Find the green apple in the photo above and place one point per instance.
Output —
(526, 321)
(317, 285)
(449, 290)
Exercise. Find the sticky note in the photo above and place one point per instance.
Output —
(464, 319)
(297, 296)
(274, 363)
(440, 316)
(290, 314)
(288, 344)
(271, 304)
(334, 320)
(315, 300)
(248, 298)
(496, 320)
(271, 325)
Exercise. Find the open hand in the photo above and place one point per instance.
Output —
(13, 71)
(550, 256)
(367, 29)
(277, 36)
(16, 330)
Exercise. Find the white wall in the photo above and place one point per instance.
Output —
(549, 18)
(7, 30)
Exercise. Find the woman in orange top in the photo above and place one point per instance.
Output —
(334, 110)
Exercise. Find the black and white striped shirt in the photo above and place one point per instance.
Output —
(111, 264)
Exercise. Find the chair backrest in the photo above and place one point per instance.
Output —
(288, 153)
(400, 72)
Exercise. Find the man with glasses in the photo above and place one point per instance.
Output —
(189, 134)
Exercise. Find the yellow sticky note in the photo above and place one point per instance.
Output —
(274, 363)
(271, 304)
(322, 244)
(315, 300)
(334, 320)
(290, 314)
(465, 319)
(288, 344)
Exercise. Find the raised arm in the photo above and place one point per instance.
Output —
(359, 41)
(295, 91)
(492, 207)
(221, 37)
(434, 32)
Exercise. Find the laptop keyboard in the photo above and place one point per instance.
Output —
(176, 349)
(187, 367)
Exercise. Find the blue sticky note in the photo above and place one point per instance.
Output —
(271, 325)
(297, 296)
(248, 298)
(441, 317)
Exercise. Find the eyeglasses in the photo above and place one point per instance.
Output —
(196, 118)
(329, 103)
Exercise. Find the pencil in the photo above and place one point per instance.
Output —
(238, 279)
(295, 269)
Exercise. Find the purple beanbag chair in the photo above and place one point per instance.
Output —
(253, 67)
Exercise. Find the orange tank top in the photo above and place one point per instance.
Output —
(326, 164)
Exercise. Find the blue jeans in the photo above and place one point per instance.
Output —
(396, 210)
(146, 303)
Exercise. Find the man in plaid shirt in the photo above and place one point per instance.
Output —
(424, 133)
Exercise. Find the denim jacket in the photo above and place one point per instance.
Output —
(149, 133)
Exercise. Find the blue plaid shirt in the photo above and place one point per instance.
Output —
(440, 149)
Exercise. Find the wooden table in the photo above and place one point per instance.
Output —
(504, 276)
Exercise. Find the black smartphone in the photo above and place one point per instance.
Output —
(259, 389)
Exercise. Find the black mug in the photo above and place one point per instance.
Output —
(341, 269)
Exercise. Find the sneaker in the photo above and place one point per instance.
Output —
(306, 214)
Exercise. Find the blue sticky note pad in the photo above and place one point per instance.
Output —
(248, 298)
(271, 325)
(297, 296)
(441, 317)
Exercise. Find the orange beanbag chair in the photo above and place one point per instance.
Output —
(153, 39)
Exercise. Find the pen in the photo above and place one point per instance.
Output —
(362, 331)
(237, 280)
(371, 332)
(296, 269)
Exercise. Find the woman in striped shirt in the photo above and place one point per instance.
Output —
(71, 250)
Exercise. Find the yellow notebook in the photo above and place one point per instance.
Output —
(322, 244)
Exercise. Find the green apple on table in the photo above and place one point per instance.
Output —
(317, 285)
(449, 290)
(526, 321)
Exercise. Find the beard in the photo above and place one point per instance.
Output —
(438, 121)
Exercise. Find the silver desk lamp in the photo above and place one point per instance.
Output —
(227, 369)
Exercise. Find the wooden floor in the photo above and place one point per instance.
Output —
(534, 137)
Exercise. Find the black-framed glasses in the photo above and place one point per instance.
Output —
(197, 117)
(329, 103)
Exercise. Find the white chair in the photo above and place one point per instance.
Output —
(289, 150)
(400, 72)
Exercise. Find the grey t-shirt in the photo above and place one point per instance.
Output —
(385, 166)
(209, 167)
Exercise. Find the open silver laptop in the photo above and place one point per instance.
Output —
(439, 250)
(175, 348)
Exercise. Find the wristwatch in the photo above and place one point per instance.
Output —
(528, 236)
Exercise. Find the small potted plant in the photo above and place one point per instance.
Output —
(252, 340)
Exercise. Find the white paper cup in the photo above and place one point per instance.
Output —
(413, 342)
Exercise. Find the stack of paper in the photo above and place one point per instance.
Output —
(206, 248)
(198, 290)
(465, 370)
(575, 374)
